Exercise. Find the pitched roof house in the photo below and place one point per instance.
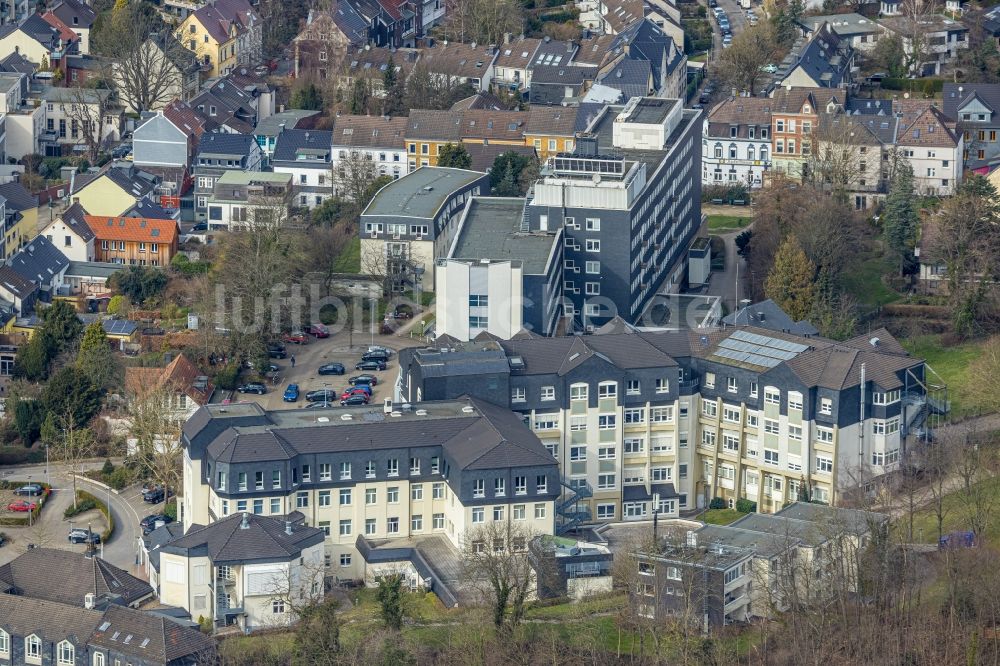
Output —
(71, 234)
(133, 240)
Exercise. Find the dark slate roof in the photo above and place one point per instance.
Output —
(154, 639)
(50, 621)
(633, 493)
(16, 284)
(631, 77)
(824, 58)
(953, 100)
(218, 143)
(16, 62)
(78, 576)
(768, 314)
(352, 23)
(562, 355)
(587, 112)
(491, 230)
(68, 10)
(293, 142)
(73, 216)
(148, 210)
(18, 197)
(131, 180)
(37, 28)
(160, 537)
(38, 261)
(569, 75)
(645, 41)
(246, 537)
(500, 439)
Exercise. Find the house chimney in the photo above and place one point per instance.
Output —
(89, 600)
(288, 527)
(245, 522)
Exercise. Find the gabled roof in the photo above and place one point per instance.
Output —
(517, 54)
(552, 120)
(742, 112)
(38, 261)
(217, 143)
(645, 41)
(247, 537)
(180, 375)
(929, 128)
(570, 75)
(132, 181)
(77, 15)
(768, 314)
(75, 218)
(825, 59)
(351, 23)
(136, 229)
(78, 575)
(50, 621)
(15, 284)
(18, 197)
(66, 33)
(220, 16)
(499, 439)
(631, 77)
(622, 13)
(458, 60)
(293, 144)
(481, 100)
(155, 639)
(958, 95)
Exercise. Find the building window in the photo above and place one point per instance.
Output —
(369, 526)
(795, 432)
(824, 465)
(578, 392)
(732, 385)
(392, 467)
(548, 393)
(770, 457)
(520, 485)
(479, 488)
(607, 421)
(593, 245)
(539, 511)
(771, 426)
(635, 415)
(345, 559)
(709, 408)
(592, 267)
(497, 514)
(416, 523)
(242, 481)
(634, 445)
(371, 496)
(345, 528)
(605, 511)
(478, 514)
(662, 385)
(415, 466)
(517, 513)
(605, 481)
(392, 526)
(65, 653)
(824, 435)
(593, 224)
(33, 647)
(278, 606)
(795, 401)
(324, 498)
(392, 495)
(302, 500)
(499, 487)
(98, 658)
(772, 396)
(417, 491)
(517, 394)
(825, 406)
(437, 491)
(275, 506)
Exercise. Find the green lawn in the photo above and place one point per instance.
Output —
(925, 522)
(952, 363)
(701, 57)
(724, 223)
(349, 260)
(864, 282)
(720, 516)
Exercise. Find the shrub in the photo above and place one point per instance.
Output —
(717, 503)
(18, 455)
(228, 376)
(109, 467)
(746, 506)
(119, 479)
(83, 496)
(170, 510)
(81, 507)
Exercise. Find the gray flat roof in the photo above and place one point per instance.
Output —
(652, 110)
(97, 269)
(421, 193)
(492, 231)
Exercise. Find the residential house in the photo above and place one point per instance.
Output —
(941, 39)
(83, 70)
(859, 31)
(69, 125)
(852, 153)
(736, 142)
(428, 131)
(89, 279)
(34, 273)
(457, 63)
(794, 115)
(644, 60)
(113, 190)
(551, 130)
(170, 63)
(379, 138)
(78, 17)
(557, 84)
(71, 234)
(825, 60)
(218, 154)
(569, 568)
(243, 569)
(988, 21)
(84, 581)
(165, 142)
(267, 130)
(23, 123)
(14, 11)
(36, 40)
(235, 103)
(511, 66)
(324, 35)
(614, 16)
(21, 208)
(360, 479)
(133, 240)
(975, 109)
(34, 631)
(368, 65)
(306, 156)
(497, 279)
(223, 35)
(396, 23)
(636, 167)
(249, 197)
(412, 221)
(933, 147)
(185, 388)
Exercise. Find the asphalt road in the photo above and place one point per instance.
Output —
(127, 509)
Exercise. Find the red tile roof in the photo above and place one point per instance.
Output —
(132, 229)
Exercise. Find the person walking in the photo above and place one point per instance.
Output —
(293, 360)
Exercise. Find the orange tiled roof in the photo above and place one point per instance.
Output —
(179, 375)
(132, 229)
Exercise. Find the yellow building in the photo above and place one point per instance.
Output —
(428, 131)
(112, 192)
(22, 214)
(551, 130)
(222, 34)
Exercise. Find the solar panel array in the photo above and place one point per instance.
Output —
(759, 350)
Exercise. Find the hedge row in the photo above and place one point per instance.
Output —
(21, 520)
(83, 496)
(922, 85)
(19, 455)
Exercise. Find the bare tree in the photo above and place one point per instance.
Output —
(976, 460)
(90, 112)
(741, 65)
(74, 447)
(155, 425)
(353, 176)
(496, 561)
(481, 21)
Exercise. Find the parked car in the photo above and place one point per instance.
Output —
(370, 365)
(78, 535)
(375, 356)
(276, 351)
(201, 226)
(30, 490)
(355, 391)
(332, 369)
(380, 348)
(22, 506)
(367, 388)
(371, 380)
(402, 312)
(359, 399)
(156, 495)
(318, 331)
(321, 405)
(148, 524)
(291, 393)
(252, 387)
(321, 395)
(296, 337)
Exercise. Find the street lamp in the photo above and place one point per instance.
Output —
(326, 395)
(47, 481)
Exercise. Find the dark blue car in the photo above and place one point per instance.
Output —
(291, 393)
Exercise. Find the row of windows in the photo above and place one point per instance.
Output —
(605, 390)
(326, 473)
(65, 652)
(119, 246)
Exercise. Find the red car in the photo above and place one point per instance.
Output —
(318, 331)
(21, 506)
(349, 392)
(296, 337)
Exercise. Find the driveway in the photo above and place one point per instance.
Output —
(728, 284)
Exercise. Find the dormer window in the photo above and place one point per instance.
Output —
(733, 131)
(805, 109)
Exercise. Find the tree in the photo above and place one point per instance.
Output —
(317, 635)
(454, 155)
(888, 54)
(118, 305)
(512, 173)
(390, 600)
(89, 111)
(307, 97)
(33, 358)
(899, 220)
(71, 397)
(139, 283)
(29, 414)
(61, 323)
(741, 65)
(496, 560)
(96, 360)
(393, 91)
(353, 176)
(155, 432)
(790, 282)
(147, 64)
(427, 91)
(482, 21)
(361, 96)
